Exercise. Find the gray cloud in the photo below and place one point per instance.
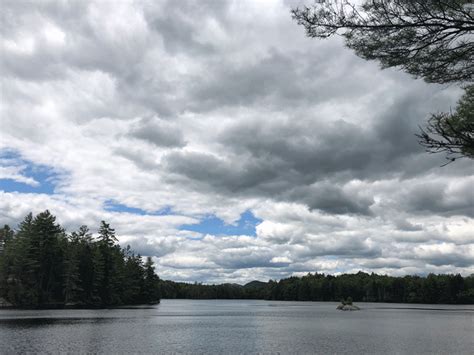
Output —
(445, 254)
(216, 108)
(440, 198)
(158, 132)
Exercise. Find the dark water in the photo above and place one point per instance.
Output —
(187, 326)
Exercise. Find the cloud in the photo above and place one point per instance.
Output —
(444, 197)
(445, 254)
(158, 132)
(15, 173)
(225, 109)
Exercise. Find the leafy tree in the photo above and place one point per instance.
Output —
(430, 39)
(452, 133)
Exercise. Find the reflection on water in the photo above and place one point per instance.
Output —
(212, 326)
(35, 322)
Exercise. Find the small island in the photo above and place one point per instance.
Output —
(347, 305)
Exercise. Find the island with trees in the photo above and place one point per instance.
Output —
(347, 305)
(42, 266)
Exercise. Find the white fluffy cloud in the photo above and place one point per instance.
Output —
(215, 108)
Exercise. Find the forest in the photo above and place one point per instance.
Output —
(361, 287)
(42, 266)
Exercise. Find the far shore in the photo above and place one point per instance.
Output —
(383, 305)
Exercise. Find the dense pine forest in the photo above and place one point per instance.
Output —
(43, 266)
(319, 287)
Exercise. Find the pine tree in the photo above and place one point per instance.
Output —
(98, 267)
(133, 277)
(46, 253)
(24, 266)
(6, 234)
(107, 246)
(151, 291)
(40, 267)
(73, 291)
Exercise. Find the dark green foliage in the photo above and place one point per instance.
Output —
(41, 266)
(360, 287)
(6, 234)
(431, 39)
(452, 133)
(150, 284)
(108, 265)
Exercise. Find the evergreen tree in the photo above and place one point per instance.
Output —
(6, 234)
(24, 266)
(151, 284)
(73, 291)
(42, 267)
(107, 243)
(45, 251)
(98, 267)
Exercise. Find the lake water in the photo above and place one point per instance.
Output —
(221, 326)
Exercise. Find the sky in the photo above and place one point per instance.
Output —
(217, 138)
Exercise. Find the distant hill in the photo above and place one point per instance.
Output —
(255, 285)
(361, 287)
(231, 285)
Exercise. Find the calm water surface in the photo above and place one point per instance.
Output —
(219, 326)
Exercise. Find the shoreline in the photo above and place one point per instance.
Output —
(404, 306)
(68, 307)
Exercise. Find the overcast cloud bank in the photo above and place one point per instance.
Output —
(176, 111)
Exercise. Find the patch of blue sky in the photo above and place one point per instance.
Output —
(215, 226)
(27, 177)
(113, 206)
(164, 211)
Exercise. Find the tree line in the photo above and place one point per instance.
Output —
(361, 287)
(43, 266)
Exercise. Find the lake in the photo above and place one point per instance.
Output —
(242, 326)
